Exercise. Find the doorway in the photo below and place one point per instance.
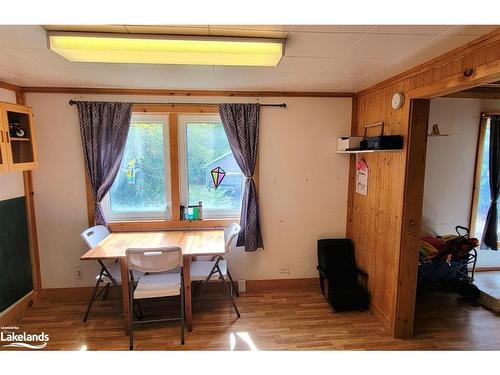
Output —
(449, 189)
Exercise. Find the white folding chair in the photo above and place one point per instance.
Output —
(109, 273)
(156, 281)
(216, 269)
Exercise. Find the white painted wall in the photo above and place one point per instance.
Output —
(303, 186)
(11, 183)
(450, 165)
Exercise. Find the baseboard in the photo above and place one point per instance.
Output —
(14, 312)
(67, 294)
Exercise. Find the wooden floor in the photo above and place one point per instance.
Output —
(489, 285)
(273, 320)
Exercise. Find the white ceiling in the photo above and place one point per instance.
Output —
(317, 57)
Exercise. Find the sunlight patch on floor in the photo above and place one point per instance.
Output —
(243, 337)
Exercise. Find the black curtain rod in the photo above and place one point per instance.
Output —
(282, 105)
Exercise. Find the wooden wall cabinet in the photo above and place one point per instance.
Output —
(18, 152)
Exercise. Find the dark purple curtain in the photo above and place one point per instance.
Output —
(104, 129)
(241, 123)
(490, 236)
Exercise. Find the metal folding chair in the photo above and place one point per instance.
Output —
(109, 273)
(217, 269)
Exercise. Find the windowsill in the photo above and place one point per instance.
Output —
(159, 225)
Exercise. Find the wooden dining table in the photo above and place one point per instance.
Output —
(192, 243)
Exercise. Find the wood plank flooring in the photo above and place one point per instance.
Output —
(298, 319)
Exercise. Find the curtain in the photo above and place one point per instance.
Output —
(490, 237)
(241, 124)
(104, 128)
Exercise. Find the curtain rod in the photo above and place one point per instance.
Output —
(489, 114)
(282, 105)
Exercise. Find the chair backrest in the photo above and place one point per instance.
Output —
(154, 259)
(230, 233)
(336, 258)
(94, 235)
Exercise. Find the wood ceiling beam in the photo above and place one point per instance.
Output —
(167, 92)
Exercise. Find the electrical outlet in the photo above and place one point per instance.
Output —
(285, 269)
(242, 286)
(78, 273)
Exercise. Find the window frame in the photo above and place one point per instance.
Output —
(156, 214)
(477, 174)
(182, 121)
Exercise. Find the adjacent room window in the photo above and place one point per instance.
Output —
(482, 198)
(203, 147)
(141, 189)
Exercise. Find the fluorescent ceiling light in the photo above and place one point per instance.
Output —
(166, 49)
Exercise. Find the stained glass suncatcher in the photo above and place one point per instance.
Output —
(218, 175)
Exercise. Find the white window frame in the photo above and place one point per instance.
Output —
(147, 215)
(182, 121)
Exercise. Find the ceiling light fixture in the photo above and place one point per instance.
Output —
(166, 49)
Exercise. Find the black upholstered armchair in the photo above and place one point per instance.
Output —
(342, 282)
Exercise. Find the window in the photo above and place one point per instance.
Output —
(141, 189)
(482, 199)
(203, 147)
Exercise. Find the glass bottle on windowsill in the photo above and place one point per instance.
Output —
(200, 210)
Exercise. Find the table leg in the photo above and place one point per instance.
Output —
(187, 291)
(125, 292)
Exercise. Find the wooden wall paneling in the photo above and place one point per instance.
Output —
(411, 218)
(378, 225)
(174, 167)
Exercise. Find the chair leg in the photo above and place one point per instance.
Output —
(93, 298)
(106, 290)
(203, 284)
(233, 284)
(228, 292)
(182, 310)
(139, 308)
(131, 321)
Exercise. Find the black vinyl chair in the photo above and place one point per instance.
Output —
(342, 282)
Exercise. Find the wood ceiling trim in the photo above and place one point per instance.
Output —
(482, 41)
(8, 86)
(166, 92)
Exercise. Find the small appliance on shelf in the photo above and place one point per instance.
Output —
(347, 142)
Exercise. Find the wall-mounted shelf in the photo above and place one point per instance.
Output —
(438, 135)
(366, 151)
(16, 139)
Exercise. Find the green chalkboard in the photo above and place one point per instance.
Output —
(15, 263)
